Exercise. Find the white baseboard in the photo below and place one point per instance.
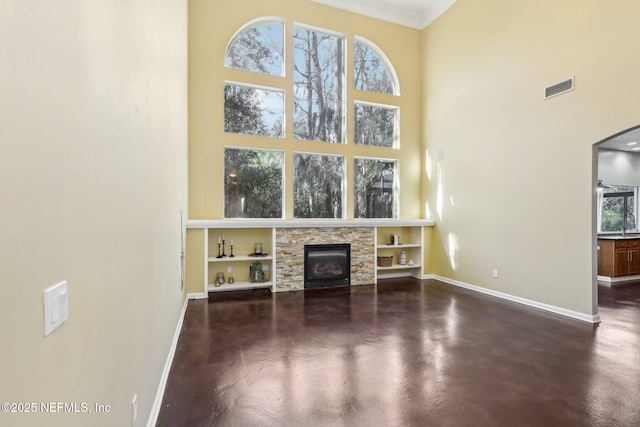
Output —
(535, 304)
(157, 403)
(198, 295)
(612, 281)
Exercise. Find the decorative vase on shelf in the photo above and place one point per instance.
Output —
(219, 279)
(256, 275)
(402, 259)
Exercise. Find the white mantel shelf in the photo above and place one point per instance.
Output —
(307, 223)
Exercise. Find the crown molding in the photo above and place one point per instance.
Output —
(385, 11)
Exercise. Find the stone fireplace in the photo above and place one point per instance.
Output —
(290, 258)
(327, 265)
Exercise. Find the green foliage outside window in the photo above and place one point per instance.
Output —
(375, 125)
(253, 111)
(374, 188)
(618, 207)
(317, 186)
(258, 48)
(370, 73)
(318, 86)
(252, 183)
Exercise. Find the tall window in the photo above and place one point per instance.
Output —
(253, 183)
(318, 80)
(375, 188)
(318, 182)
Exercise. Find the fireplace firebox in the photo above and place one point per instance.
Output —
(327, 265)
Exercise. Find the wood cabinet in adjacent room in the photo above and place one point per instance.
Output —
(618, 257)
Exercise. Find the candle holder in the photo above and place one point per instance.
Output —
(219, 256)
(231, 256)
(223, 254)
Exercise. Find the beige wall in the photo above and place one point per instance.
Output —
(517, 180)
(194, 274)
(92, 179)
(211, 26)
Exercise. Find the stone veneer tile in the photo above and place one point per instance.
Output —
(290, 253)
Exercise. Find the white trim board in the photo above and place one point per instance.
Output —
(535, 304)
(157, 402)
(198, 295)
(307, 223)
(612, 281)
(416, 15)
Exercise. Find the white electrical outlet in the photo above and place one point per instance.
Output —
(229, 269)
(134, 408)
(495, 274)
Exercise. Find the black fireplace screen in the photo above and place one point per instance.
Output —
(327, 265)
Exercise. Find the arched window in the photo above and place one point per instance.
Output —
(372, 71)
(258, 47)
(254, 177)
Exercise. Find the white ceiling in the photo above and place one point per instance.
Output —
(626, 142)
(410, 13)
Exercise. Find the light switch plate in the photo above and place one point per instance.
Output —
(56, 307)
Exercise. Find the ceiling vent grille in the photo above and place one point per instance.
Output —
(558, 88)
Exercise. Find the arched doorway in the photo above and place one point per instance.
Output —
(615, 227)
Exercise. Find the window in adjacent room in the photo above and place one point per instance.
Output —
(318, 182)
(253, 110)
(258, 47)
(619, 208)
(375, 188)
(318, 85)
(372, 71)
(376, 125)
(253, 182)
